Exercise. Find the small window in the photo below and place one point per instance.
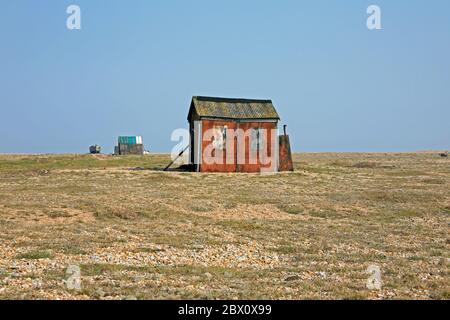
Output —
(255, 139)
(220, 137)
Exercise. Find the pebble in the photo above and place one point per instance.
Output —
(100, 293)
(37, 284)
(208, 275)
(95, 258)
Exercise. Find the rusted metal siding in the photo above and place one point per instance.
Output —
(267, 143)
(235, 125)
(286, 163)
(225, 167)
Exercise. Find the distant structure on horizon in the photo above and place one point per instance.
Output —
(95, 149)
(129, 145)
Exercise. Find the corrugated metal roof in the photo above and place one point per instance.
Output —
(130, 140)
(225, 108)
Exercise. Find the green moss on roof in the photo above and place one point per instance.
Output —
(225, 108)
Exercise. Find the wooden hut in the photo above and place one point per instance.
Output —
(232, 132)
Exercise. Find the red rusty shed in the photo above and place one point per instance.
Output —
(232, 132)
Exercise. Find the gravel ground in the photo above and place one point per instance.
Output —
(146, 234)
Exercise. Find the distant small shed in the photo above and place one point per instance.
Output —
(130, 145)
(239, 134)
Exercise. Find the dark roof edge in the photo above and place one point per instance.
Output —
(238, 119)
(238, 100)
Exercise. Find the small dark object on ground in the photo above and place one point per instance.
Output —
(136, 169)
(41, 172)
(444, 155)
(185, 168)
(292, 278)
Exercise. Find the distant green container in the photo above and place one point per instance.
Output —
(130, 140)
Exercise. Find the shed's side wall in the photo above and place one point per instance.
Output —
(225, 167)
(233, 166)
(247, 167)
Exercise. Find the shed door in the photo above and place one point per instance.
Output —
(197, 144)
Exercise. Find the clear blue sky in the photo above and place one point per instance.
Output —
(135, 65)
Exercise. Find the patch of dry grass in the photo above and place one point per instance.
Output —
(152, 235)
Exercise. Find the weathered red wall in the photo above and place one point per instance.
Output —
(210, 124)
(227, 167)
